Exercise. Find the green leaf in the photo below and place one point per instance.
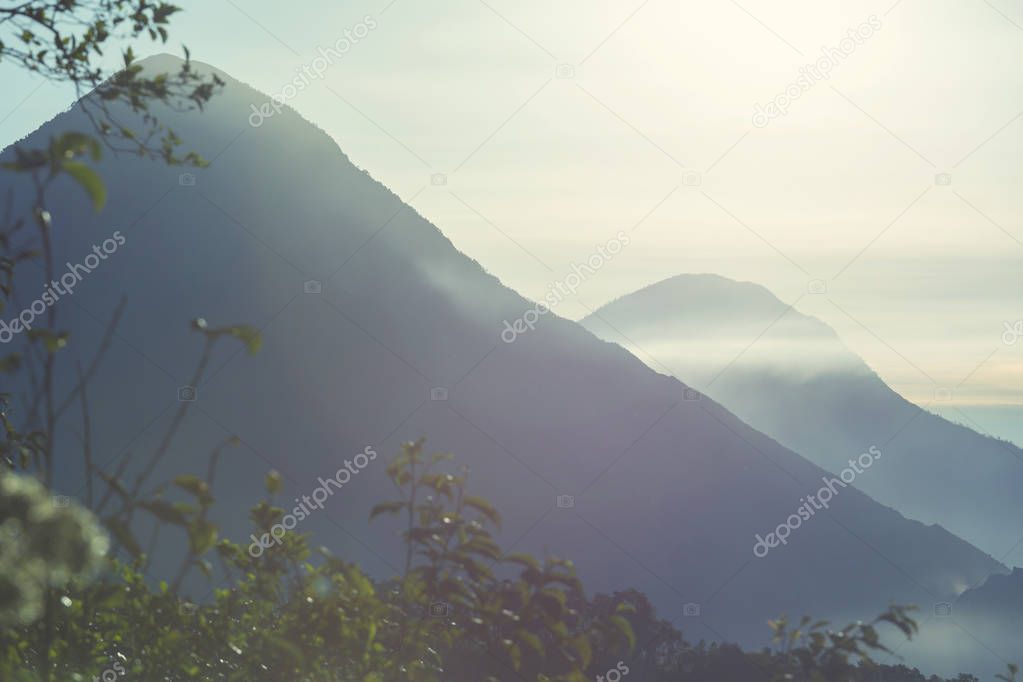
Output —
(524, 559)
(484, 507)
(624, 629)
(89, 180)
(69, 145)
(625, 607)
(583, 652)
(196, 486)
(250, 336)
(514, 653)
(51, 341)
(286, 647)
(202, 536)
(386, 508)
(531, 641)
(123, 535)
(165, 511)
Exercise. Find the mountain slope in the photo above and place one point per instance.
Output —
(669, 492)
(790, 376)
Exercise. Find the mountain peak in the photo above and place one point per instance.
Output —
(169, 62)
(709, 301)
(710, 286)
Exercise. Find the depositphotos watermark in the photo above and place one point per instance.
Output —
(309, 502)
(811, 74)
(559, 290)
(813, 503)
(615, 674)
(112, 673)
(65, 286)
(314, 70)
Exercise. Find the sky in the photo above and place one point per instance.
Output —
(883, 199)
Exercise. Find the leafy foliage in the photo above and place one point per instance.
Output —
(293, 613)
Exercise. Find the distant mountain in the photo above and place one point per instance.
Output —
(988, 614)
(789, 375)
(1002, 594)
(669, 490)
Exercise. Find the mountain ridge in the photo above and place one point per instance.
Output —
(797, 382)
(668, 491)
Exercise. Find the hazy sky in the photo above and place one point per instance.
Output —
(922, 277)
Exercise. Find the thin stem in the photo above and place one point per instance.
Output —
(86, 438)
(175, 425)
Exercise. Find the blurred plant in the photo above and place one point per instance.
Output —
(297, 614)
(1010, 675)
(526, 623)
(44, 542)
(814, 652)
